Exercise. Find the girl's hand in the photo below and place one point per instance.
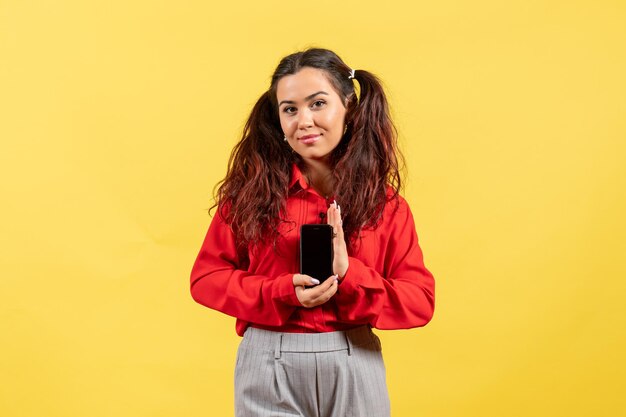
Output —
(314, 296)
(340, 259)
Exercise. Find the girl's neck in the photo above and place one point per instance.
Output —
(319, 176)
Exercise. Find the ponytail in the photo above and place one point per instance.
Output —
(254, 191)
(367, 168)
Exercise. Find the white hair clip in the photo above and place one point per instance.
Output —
(351, 75)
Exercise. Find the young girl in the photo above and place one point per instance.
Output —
(313, 151)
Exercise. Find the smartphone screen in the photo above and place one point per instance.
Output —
(316, 250)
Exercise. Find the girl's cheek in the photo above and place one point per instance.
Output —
(286, 128)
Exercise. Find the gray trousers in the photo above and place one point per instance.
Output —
(336, 374)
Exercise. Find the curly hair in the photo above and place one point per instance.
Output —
(366, 175)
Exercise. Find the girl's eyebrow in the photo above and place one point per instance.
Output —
(306, 98)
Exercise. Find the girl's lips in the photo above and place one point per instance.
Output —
(309, 139)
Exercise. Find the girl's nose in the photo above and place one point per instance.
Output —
(305, 119)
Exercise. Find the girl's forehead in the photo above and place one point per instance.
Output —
(302, 84)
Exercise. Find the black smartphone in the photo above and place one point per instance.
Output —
(316, 250)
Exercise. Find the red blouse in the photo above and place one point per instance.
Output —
(386, 285)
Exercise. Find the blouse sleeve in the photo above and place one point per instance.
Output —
(405, 296)
(218, 281)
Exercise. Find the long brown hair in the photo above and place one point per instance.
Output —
(252, 197)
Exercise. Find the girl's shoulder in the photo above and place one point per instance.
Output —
(396, 207)
(394, 199)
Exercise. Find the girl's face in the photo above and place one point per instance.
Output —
(312, 115)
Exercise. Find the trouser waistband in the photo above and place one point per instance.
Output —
(307, 342)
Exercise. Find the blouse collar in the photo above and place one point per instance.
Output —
(297, 178)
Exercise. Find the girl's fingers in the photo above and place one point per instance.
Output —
(334, 219)
(316, 291)
(338, 225)
(311, 297)
(327, 293)
(302, 280)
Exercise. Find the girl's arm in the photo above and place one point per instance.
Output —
(404, 297)
(218, 282)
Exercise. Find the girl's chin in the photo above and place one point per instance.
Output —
(313, 153)
(315, 158)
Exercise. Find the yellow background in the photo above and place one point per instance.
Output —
(116, 120)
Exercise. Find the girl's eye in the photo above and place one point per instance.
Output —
(289, 110)
(319, 103)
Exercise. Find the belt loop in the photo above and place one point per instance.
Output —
(349, 342)
(279, 342)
